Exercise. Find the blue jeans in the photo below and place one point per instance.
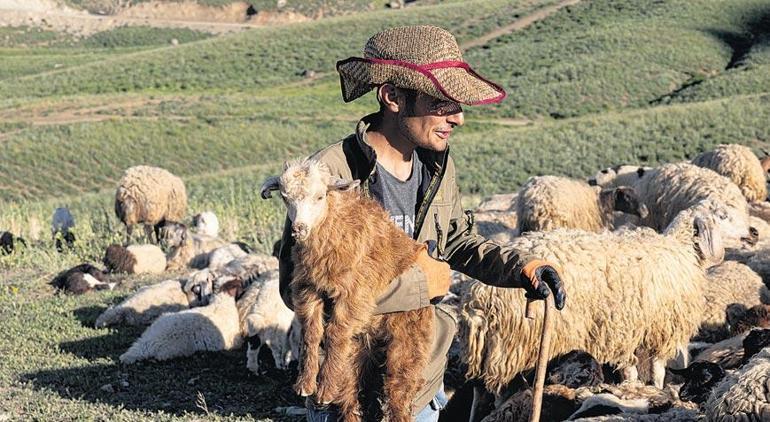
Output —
(429, 413)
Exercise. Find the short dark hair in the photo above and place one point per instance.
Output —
(409, 94)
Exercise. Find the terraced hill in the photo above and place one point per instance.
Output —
(592, 84)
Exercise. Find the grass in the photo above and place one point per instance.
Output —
(595, 84)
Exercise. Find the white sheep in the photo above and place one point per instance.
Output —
(622, 175)
(739, 164)
(743, 395)
(631, 292)
(728, 283)
(146, 304)
(267, 321)
(135, 259)
(206, 223)
(671, 188)
(552, 202)
(149, 195)
(213, 327)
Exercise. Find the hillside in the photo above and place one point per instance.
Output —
(592, 84)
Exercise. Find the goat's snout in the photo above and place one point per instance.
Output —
(299, 230)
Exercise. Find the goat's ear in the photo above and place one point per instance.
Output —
(343, 185)
(285, 165)
(709, 241)
(272, 183)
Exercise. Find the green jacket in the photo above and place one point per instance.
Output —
(439, 218)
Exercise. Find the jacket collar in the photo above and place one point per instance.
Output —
(434, 160)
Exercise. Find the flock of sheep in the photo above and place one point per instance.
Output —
(666, 271)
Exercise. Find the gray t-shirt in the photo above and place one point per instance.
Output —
(399, 198)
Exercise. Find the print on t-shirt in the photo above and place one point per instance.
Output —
(399, 198)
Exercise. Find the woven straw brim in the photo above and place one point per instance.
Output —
(358, 76)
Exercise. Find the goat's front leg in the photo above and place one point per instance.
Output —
(308, 307)
(337, 382)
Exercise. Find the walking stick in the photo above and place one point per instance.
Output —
(542, 359)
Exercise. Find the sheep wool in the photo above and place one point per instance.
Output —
(209, 328)
(149, 195)
(636, 290)
(744, 395)
(578, 205)
(672, 188)
(729, 282)
(739, 164)
(144, 306)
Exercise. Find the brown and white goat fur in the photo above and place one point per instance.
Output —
(347, 251)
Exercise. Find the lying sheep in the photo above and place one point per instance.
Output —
(206, 223)
(671, 188)
(622, 175)
(208, 328)
(550, 202)
(149, 196)
(728, 283)
(741, 318)
(61, 224)
(743, 394)
(266, 321)
(739, 164)
(348, 249)
(81, 279)
(135, 259)
(633, 291)
(187, 249)
(145, 305)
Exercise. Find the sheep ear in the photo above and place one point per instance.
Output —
(272, 183)
(342, 185)
(709, 241)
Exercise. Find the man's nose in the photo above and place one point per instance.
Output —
(457, 119)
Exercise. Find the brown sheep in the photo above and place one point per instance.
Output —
(149, 195)
(348, 251)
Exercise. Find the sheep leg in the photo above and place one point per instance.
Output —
(309, 311)
(336, 379)
(630, 374)
(148, 233)
(407, 355)
(129, 232)
(658, 372)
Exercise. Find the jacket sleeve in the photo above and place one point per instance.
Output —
(470, 253)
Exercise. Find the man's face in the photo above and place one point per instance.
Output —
(427, 121)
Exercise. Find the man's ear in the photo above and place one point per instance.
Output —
(337, 184)
(388, 96)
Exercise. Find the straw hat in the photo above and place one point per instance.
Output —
(424, 58)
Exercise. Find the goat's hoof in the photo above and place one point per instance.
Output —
(304, 389)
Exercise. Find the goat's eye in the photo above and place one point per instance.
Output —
(319, 197)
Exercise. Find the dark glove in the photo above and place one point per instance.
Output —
(539, 278)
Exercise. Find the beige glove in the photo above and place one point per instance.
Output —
(436, 272)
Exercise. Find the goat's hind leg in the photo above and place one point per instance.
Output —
(407, 357)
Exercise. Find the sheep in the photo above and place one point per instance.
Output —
(743, 394)
(187, 250)
(81, 279)
(213, 327)
(61, 224)
(741, 318)
(149, 195)
(206, 223)
(266, 321)
(146, 304)
(633, 291)
(135, 259)
(9, 243)
(349, 250)
(728, 283)
(739, 164)
(617, 176)
(549, 202)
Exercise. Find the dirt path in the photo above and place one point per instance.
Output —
(48, 14)
(518, 25)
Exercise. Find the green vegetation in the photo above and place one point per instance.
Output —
(600, 83)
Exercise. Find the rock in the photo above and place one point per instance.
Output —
(174, 42)
(108, 388)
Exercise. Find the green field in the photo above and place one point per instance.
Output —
(596, 84)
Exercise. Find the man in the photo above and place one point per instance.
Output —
(401, 156)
